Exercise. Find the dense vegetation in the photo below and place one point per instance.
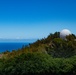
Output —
(48, 56)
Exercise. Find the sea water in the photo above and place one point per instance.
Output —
(4, 46)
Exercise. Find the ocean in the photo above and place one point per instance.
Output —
(4, 46)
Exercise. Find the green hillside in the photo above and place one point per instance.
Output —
(47, 56)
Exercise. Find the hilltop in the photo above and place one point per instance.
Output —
(47, 56)
(52, 45)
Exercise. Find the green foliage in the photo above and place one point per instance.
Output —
(38, 64)
(62, 48)
(48, 56)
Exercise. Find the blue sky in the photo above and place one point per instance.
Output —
(29, 19)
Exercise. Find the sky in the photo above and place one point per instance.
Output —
(33, 19)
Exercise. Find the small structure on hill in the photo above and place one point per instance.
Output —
(64, 33)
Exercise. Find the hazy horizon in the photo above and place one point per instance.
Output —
(18, 40)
